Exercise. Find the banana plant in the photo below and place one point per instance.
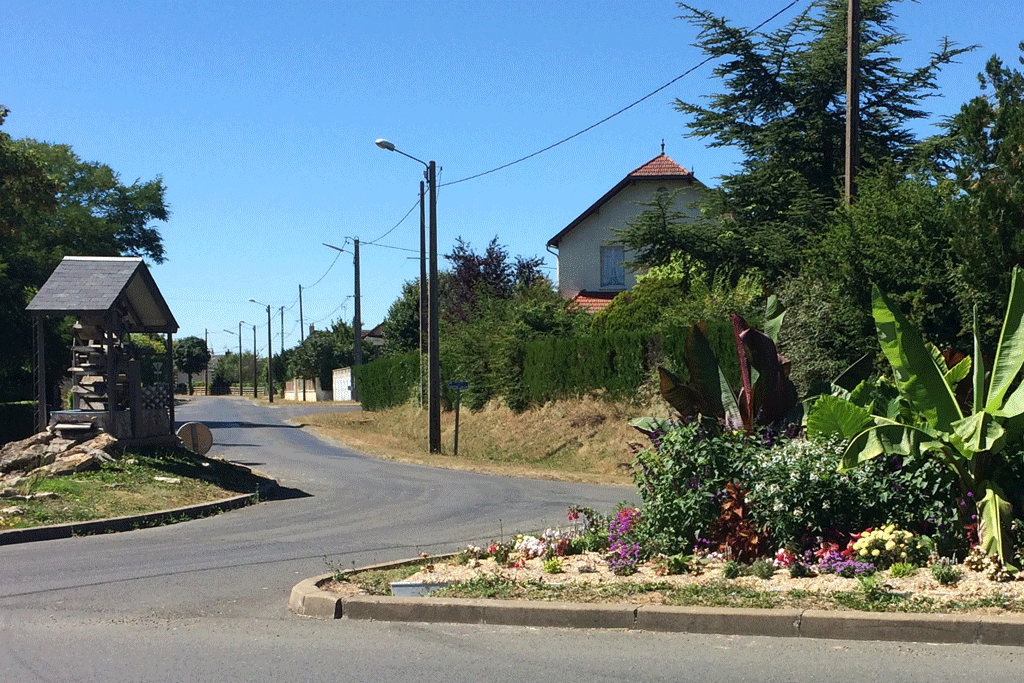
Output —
(767, 396)
(929, 421)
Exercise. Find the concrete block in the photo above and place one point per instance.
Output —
(1001, 630)
(559, 614)
(387, 608)
(309, 600)
(896, 627)
(778, 623)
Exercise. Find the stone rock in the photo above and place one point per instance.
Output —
(12, 510)
(43, 495)
(28, 457)
(42, 438)
(68, 463)
(168, 480)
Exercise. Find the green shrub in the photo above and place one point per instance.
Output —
(388, 381)
(681, 483)
(762, 568)
(793, 490)
(553, 566)
(731, 569)
(901, 570)
(946, 573)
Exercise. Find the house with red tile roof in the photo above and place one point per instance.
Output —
(590, 263)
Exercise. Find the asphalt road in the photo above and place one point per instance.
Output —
(206, 600)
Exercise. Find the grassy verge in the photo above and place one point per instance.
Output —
(584, 440)
(129, 486)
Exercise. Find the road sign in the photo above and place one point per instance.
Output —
(458, 385)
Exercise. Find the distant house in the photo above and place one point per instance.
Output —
(590, 263)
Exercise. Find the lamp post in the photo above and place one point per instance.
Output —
(433, 353)
(357, 322)
(270, 354)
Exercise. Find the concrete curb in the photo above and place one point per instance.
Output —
(132, 522)
(308, 599)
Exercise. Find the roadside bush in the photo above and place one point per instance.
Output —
(682, 481)
(388, 381)
(793, 495)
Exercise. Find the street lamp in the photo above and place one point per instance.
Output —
(433, 354)
(357, 322)
(270, 354)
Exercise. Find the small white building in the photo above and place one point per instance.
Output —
(590, 263)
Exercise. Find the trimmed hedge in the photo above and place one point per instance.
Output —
(388, 381)
(617, 363)
(553, 368)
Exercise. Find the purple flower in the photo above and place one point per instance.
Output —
(835, 563)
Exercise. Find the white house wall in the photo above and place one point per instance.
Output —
(579, 251)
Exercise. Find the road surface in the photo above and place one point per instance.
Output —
(206, 600)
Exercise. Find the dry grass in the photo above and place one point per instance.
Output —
(584, 440)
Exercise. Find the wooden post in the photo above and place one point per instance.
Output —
(458, 402)
(852, 97)
(170, 383)
(42, 414)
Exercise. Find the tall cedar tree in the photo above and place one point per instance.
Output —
(784, 109)
(981, 151)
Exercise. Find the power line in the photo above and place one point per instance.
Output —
(407, 213)
(621, 111)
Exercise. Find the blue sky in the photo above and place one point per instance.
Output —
(261, 118)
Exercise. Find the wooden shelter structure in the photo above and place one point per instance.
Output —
(111, 298)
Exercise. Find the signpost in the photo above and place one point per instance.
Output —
(458, 387)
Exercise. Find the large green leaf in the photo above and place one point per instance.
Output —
(979, 367)
(977, 433)
(833, 415)
(994, 515)
(890, 438)
(714, 395)
(856, 373)
(958, 373)
(919, 379)
(773, 314)
(650, 425)
(1010, 353)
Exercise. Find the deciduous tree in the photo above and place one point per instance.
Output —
(191, 356)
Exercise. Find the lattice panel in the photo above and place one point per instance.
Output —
(156, 397)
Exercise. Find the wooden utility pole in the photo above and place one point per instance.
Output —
(357, 323)
(852, 96)
(423, 292)
(302, 338)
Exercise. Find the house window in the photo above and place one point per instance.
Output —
(612, 272)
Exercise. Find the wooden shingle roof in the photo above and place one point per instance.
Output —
(92, 285)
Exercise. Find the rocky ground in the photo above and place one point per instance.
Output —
(48, 455)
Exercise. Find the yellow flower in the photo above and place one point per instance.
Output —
(864, 552)
(890, 545)
(874, 553)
